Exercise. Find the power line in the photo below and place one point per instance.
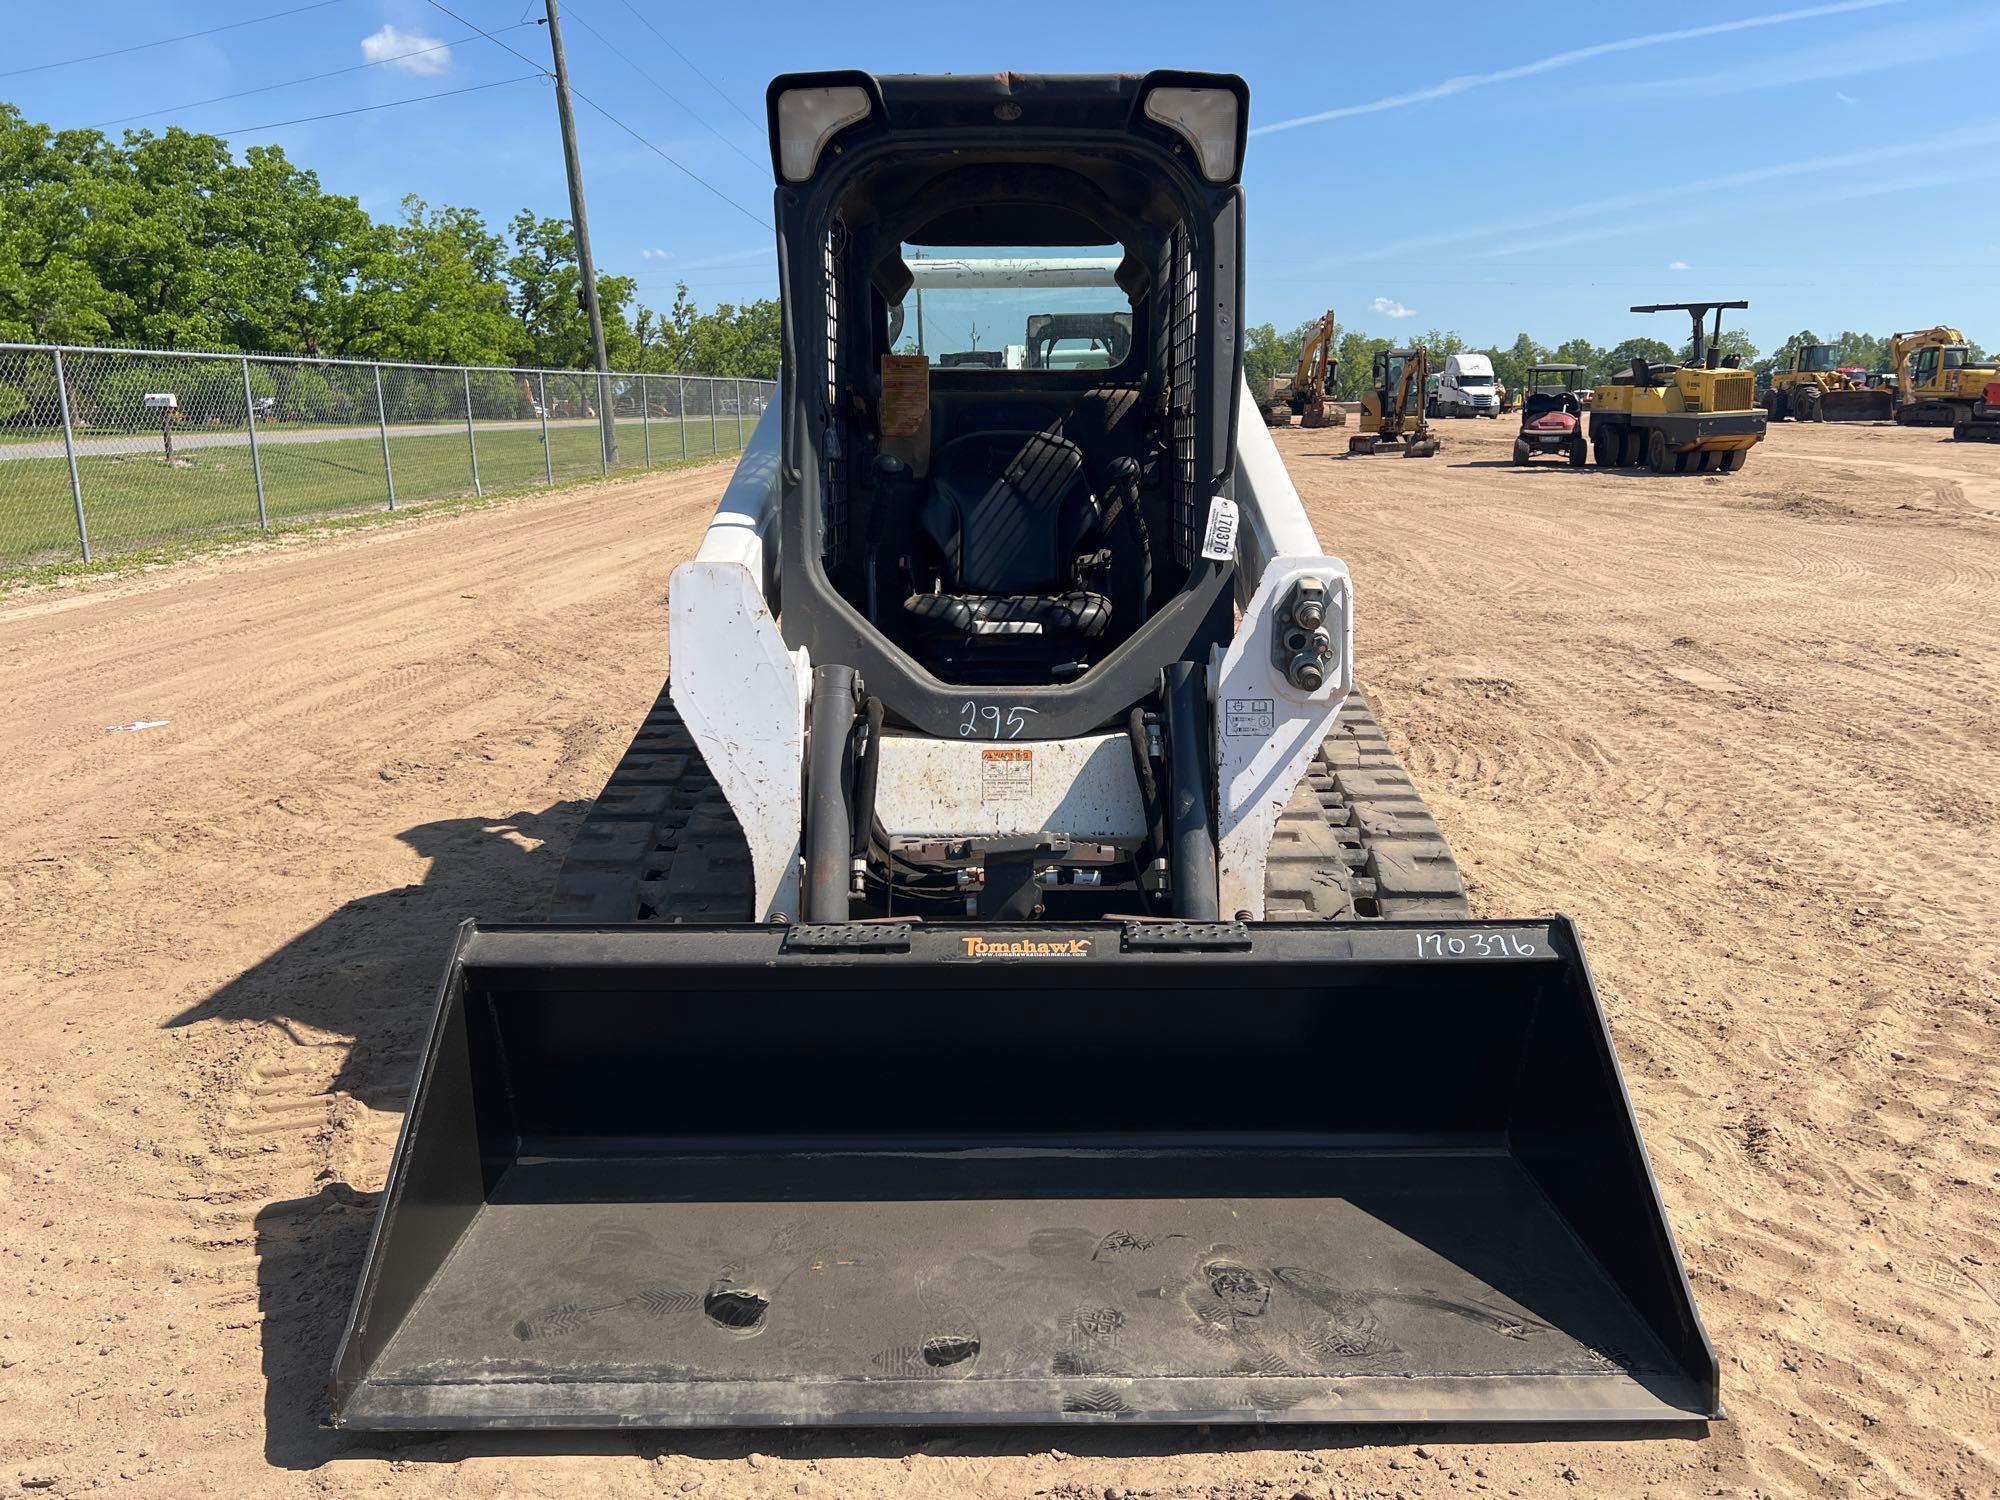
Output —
(663, 89)
(495, 40)
(718, 192)
(691, 64)
(293, 82)
(335, 114)
(684, 170)
(186, 36)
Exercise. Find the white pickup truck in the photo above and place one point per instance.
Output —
(1467, 388)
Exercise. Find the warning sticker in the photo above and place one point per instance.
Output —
(1248, 718)
(1006, 775)
(906, 394)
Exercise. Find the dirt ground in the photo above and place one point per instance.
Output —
(1745, 730)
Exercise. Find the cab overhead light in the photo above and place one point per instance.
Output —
(809, 118)
(1207, 117)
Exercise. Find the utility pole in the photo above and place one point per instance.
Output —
(580, 223)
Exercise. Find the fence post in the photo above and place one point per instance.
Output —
(681, 405)
(256, 458)
(736, 388)
(714, 423)
(645, 419)
(69, 447)
(382, 423)
(548, 454)
(471, 437)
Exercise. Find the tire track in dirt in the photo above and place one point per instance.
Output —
(1742, 731)
(1779, 846)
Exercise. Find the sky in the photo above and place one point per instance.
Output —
(1444, 166)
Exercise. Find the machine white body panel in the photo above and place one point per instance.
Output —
(1266, 729)
(743, 697)
(1084, 788)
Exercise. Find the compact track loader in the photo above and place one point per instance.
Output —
(1679, 419)
(1392, 409)
(1009, 979)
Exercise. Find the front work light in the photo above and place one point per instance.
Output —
(809, 118)
(1207, 117)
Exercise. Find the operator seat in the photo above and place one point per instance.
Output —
(1010, 520)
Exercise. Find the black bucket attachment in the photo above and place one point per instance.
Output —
(679, 1177)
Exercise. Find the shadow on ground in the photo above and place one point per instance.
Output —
(370, 972)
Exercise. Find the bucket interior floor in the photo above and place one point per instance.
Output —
(1018, 1284)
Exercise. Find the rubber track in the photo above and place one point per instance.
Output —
(1356, 842)
(660, 844)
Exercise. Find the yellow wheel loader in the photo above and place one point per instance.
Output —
(1938, 381)
(1679, 419)
(1392, 409)
(1010, 979)
(1814, 389)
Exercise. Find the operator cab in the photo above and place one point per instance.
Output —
(1003, 437)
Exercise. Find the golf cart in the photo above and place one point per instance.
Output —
(1551, 415)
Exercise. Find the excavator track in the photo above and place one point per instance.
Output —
(1355, 843)
(659, 844)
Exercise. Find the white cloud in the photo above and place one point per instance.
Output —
(1468, 81)
(1389, 307)
(410, 51)
(656, 255)
(1679, 265)
(1845, 98)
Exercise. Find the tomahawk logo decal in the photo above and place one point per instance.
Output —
(979, 947)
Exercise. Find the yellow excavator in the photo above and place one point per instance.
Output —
(1815, 389)
(1392, 409)
(1938, 382)
(1306, 397)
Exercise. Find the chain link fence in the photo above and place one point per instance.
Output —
(112, 451)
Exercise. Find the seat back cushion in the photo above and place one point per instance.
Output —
(1009, 511)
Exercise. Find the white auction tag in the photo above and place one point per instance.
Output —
(1219, 541)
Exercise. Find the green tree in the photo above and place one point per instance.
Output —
(745, 341)
(1440, 345)
(548, 297)
(1268, 354)
(1357, 362)
(1619, 357)
(1595, 360)
(1265, 356)
(51, 200)
(430, 290)
(1510, 365)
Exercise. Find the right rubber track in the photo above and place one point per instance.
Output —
(1355, 843)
